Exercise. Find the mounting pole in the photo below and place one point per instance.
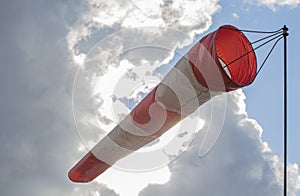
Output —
(285, 135)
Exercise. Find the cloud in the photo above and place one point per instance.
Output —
(105, 18)
(240, 163)
(274, 4)
(37, 129)
(235, 15)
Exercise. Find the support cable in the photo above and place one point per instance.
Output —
(265, 60)
(252, 50)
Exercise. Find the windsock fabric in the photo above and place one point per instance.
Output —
(215, 64)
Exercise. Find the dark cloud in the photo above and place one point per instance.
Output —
(37, 135)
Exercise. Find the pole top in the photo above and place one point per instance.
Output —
(285, 31)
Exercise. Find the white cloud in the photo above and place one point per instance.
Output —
(273, 4)
(239, 164)
(235, 15)
(190, 17)
(131, 183)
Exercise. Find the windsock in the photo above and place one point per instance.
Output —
(221, 61)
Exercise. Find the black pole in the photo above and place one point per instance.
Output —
(285, 135)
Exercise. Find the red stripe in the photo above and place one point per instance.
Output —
(141, 115)
(87, 169)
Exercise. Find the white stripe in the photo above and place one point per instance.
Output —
(180, 91)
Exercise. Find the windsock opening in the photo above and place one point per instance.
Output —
(231, 47)
(223, 60)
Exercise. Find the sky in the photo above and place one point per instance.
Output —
(71, 69)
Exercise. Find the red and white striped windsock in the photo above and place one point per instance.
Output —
(215, 64)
